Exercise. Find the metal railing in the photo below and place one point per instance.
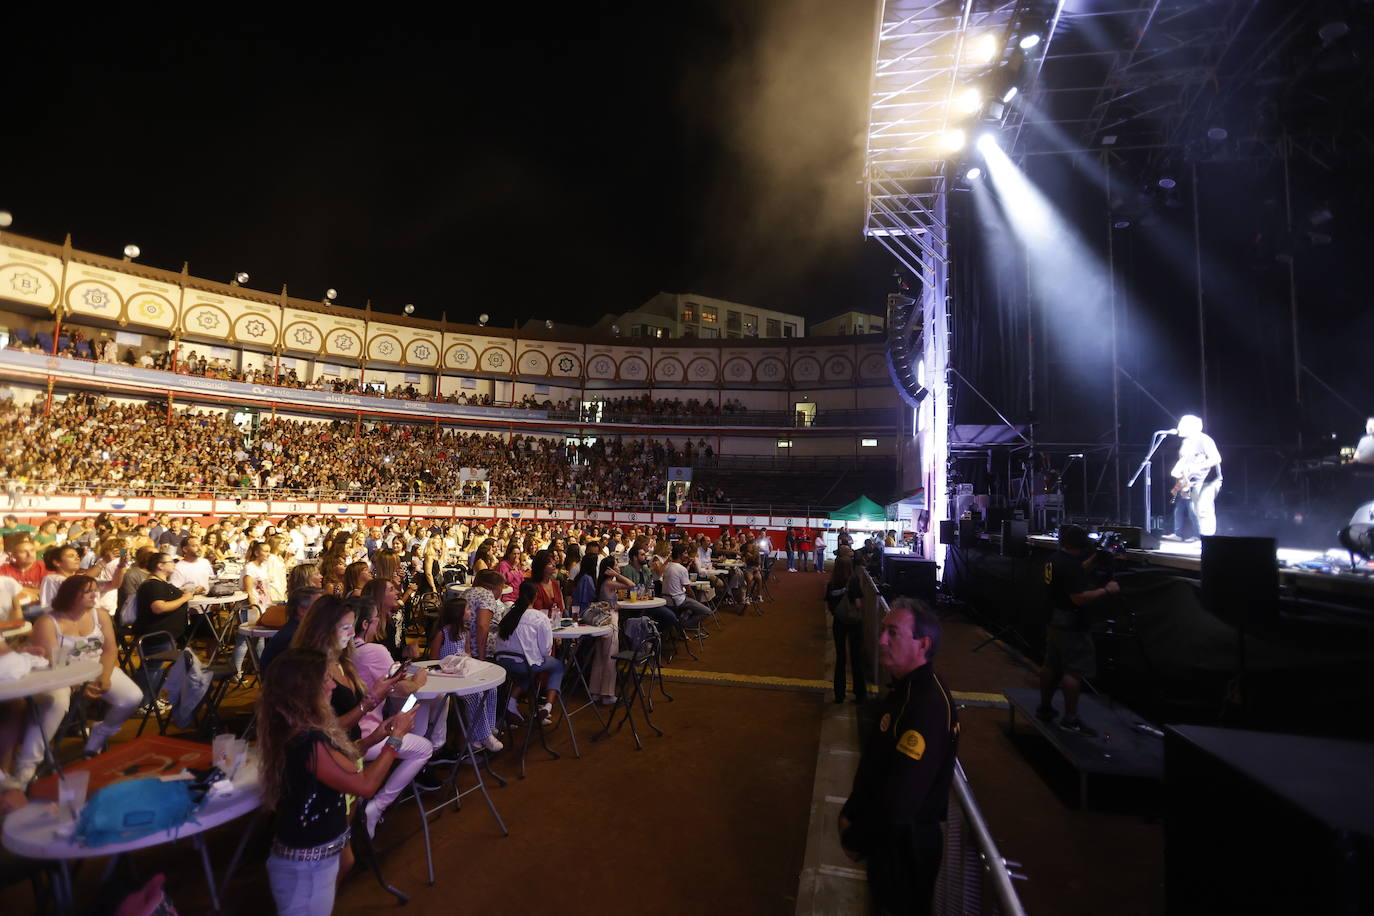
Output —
(974, 878)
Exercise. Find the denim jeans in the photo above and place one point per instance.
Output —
(303, 888)
(523, 674)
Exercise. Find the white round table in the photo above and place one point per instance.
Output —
(48, 679)
(482, 676)
(201, 601)
(573, 633)
(31, 832)
(257, 632)
(644, 604)
(24, 629)
(209, 609)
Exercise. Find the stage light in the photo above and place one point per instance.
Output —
(131, 252)
(1122, 224)
(953, 140)
(409, 309)
(6, 219)
(1167, 184)
(982, 49)
(973, 174)
(987, 141)
(1217, 134)
(1009, 95)
(969, 100)
(239, 277)
(1030, 41)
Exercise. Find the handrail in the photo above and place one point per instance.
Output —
(996, 867)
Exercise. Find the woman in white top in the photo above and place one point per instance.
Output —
(83, 632)
(278, 562)
(524, 647)
(257, 584)
(62, 562)
(112, 562)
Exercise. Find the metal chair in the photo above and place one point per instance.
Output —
(155, 653)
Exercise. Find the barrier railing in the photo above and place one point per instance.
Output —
(974, 878)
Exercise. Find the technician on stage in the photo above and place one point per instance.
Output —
(1197, 475)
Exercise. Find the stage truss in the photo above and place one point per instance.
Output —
(925, 55)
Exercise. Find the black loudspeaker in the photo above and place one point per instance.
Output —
(1240, 579)
(949, 532)
(1014, 534)
(997, 515)
(913, 577)
(1135, 537)
(1313, 793)
(968, 533)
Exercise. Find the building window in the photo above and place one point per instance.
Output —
(784, 443)
(789, 330)
(708, 314)
(652, 331)
(636, 330)
(710, 332)
(732, 321)
(774, 328)
(689, 312)
(751, 325)
(868, 443)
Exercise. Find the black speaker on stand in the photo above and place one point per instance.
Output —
(1240, 584)
(911, 577)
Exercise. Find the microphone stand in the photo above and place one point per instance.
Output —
(1155, 442)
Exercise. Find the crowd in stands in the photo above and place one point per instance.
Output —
(74, 343)
(90, 445)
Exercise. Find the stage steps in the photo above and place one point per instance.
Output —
(1120, 749)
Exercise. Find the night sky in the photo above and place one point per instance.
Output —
(559, 163)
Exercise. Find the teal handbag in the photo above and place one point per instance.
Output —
(134, 808)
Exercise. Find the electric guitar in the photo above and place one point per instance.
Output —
(1190, 486)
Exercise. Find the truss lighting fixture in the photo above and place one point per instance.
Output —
(969, 100)
(987, 140)
(1009, 95)
(1217, 134)
(131, 252)
(982, 49)
(953, 140)
(973, 174)
(1030, 41)
(1167, 184)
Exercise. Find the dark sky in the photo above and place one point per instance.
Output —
(558, 162)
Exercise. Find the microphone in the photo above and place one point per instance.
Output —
(1166, 432)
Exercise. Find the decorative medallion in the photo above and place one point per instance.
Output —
(343, 342)
(257, 329)
(98, 299)
(386, 347)
(26, 284)
(565, 364)
(207, 319)
(497, 359)
(304, 336)
(602, 366)
(422, 352)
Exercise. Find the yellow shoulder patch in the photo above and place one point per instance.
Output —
(1049, 573)
(912, 744)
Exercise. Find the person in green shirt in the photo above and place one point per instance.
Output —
(12, 526)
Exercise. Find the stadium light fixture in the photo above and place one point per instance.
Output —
(131, 252)
(6, 219)
(409, 309)
(239, 277)
(482, 319)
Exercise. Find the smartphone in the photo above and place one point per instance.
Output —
(409, 704)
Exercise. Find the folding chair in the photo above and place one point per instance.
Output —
(155, 653)
(635, 665)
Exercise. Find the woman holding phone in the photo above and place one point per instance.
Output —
(307, 767)
(329, 627)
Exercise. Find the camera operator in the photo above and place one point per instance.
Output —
(1069, 653)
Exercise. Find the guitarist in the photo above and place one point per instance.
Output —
(1197, 476)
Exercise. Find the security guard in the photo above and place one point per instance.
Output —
(901, 791)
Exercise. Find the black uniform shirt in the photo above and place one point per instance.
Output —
(1064, 577)
(908, 761)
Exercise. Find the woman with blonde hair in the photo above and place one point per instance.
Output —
(307, 767)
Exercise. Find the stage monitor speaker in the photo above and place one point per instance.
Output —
(1315, 853)
(1135, 537)
(949, 532)
(1240, 579)
(968, 533)
(913, 577)
(997, 515)
(1014, 534)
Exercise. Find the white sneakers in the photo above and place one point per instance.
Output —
(546, 713)
(488, 743)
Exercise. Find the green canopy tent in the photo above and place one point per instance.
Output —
(862, 509)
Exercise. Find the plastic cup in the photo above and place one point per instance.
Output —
(60, 654)
(71, 792)
(222, 753)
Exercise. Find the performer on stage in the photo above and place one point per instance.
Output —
(1364, 451)
(1197, 480)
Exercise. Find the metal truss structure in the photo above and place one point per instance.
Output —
(928, 56)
